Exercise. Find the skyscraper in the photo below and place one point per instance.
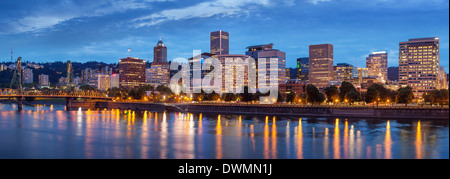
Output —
(104, 82)
(344, 72)
(377, 63)
(131, 73)
(320, 65)
(442, 78)
(303, 69)
(115, 81)
(158, 73)
(262, 54)
(419, 65)
(231, 73)
(160, 52)
(220, 41)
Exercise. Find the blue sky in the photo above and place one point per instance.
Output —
(103, 30)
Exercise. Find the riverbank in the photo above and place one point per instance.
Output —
(288, 110)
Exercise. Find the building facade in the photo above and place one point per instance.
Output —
(262, 55)
(419, 63)
(303, 69)
(377, 63)
(131, 73)
(27, 76)
(160, 52)
(344, 72)
(158, 73)
(43, 80)
(235, 76)
(103, 82)
(220, 43)
(297, 86)
(442, 78)
(320, 65)
(115, 81)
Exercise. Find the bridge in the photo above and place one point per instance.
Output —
(19, 95)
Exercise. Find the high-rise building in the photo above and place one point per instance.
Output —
(220, 43)
(158, 73)
(107, 70)
(85, 75)
(131, 73)
(93, 80)
(27, 77)
(419, 64)
(160, 52)
(231, 74)
(442, 79)
(104, 82)
(320, 65)
(303, 69)
(262, 55)
(77, 80)
(2, 67)
(288, 73)
(344, 72)
(43, 80)
(196, 82)
(377, 63)
(115, 81)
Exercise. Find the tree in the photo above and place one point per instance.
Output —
(345, 88)
(164, 90)
(246, 96)
(440, 97)
(114, 92)
(405, 95)
(303, 98)
(136, 94)
(146, 88)
(313, 95)
(87, 88)
(280, 98)
(290, 97)
(332, 93)
(384, 94)
(213, 97)
(199, 96)
(353, 96)
(229, 97)
(372, 95)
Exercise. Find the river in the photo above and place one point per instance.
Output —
(49, 132)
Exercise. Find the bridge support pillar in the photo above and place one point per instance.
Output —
(68, 104)
(19, 104)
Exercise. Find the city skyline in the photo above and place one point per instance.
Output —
(356, 30)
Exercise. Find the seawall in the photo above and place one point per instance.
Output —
(290, 110)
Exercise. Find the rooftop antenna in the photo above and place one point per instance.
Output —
(11, 55)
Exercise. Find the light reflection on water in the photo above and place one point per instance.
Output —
(50, 132)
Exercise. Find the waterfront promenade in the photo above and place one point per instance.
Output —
(399, 112)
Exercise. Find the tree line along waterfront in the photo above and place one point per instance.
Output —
(346, 94)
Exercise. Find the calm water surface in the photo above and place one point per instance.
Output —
(50, 132)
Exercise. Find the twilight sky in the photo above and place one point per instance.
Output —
(104, 30)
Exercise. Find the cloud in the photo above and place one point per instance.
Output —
(318, 1)
(202, 10)
(44, 16)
